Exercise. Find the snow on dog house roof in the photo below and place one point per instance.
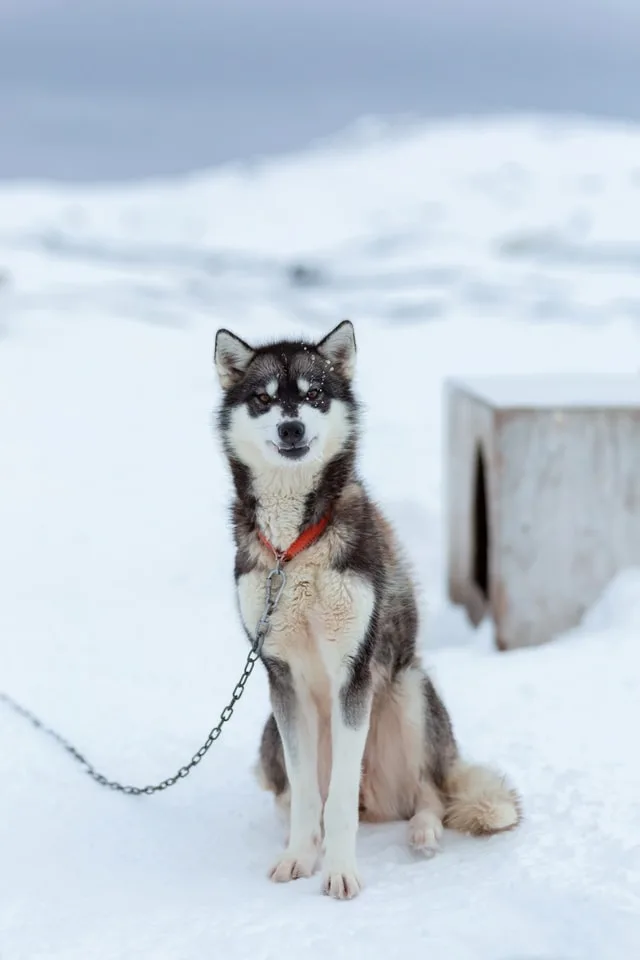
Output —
(578, 391)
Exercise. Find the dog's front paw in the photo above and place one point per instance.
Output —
(341, 883)
(293, 865)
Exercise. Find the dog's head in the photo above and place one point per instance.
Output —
(287, 404)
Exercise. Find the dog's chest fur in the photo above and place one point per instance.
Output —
(319, 620)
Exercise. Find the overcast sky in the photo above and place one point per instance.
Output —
(126, 88)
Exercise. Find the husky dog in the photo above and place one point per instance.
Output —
(358, 731)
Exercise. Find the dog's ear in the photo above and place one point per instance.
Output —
(339, 348)
(232, 356)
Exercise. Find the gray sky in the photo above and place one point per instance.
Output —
(95, 89)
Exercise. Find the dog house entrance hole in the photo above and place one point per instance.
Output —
(480, 528)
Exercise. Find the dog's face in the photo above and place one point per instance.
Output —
(289, 403)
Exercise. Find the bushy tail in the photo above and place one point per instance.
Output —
(479, 801)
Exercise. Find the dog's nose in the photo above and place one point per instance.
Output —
(291, 432)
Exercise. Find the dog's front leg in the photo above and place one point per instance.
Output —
(350, 715)
(297, 719)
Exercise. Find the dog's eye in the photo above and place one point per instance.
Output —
(263, 398)
(313, 394)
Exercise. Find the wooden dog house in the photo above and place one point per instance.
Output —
(542, 482)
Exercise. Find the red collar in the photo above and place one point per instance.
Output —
(306, 538)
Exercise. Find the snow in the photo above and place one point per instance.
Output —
(475, 249)
(557, 391)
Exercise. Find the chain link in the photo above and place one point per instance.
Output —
(273, 592)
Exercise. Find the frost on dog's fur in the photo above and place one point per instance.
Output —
(358, 731)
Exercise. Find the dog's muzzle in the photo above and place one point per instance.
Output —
(292, 439)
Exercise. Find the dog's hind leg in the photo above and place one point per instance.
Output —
(270, 769)
(425, 826)
(437, 748)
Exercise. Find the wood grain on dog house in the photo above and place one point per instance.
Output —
(543, 490)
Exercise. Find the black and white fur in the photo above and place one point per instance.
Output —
(358, 730)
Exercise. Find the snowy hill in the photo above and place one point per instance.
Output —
(460, 248)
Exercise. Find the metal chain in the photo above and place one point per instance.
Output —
(273, 594)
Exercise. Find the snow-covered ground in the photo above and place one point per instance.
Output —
(475, 248)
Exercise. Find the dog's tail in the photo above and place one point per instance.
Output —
(479, 801)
